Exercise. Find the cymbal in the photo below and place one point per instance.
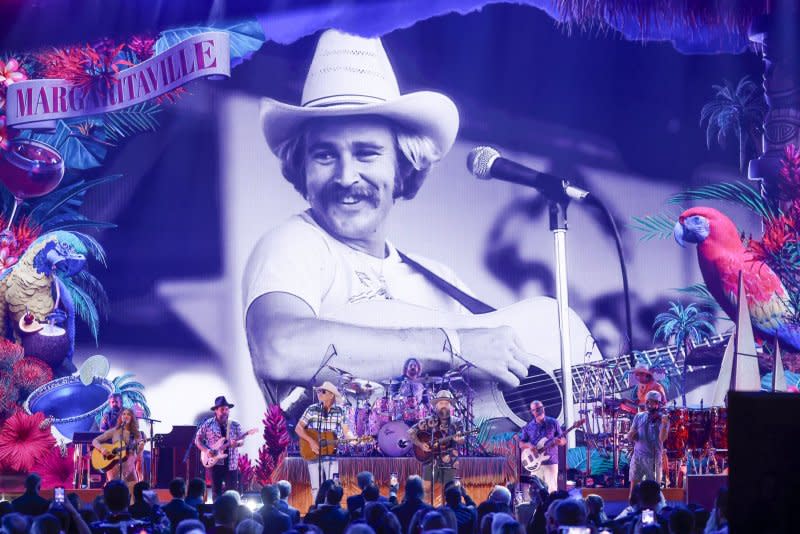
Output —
(391, 382)
(339, 372)
(362, 387)
(434, 379)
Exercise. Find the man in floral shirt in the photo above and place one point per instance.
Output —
(209, 434)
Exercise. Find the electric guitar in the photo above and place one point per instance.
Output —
(117, 454)
(531, 456)
(438, 444)
(210, 459)
(327, 444)
(535, 323)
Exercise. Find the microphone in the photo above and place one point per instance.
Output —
(485, 163)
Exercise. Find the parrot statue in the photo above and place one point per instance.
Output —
(721, 256)
(33, 297)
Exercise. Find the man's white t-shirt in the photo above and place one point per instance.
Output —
(298, 257)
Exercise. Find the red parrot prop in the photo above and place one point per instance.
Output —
(721, 255)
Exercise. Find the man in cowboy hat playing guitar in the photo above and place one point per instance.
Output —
(323, 416)
(352, 149)
(443, 427)
(221, 431)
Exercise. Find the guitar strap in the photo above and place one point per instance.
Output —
(474, 305)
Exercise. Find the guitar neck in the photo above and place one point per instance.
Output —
(614, 375)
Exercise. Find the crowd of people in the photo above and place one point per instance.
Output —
(367, 512)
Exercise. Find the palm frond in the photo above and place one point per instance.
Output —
(84, 306)
(61, 197)
(131, 385)
(659, 226)
(130, 121)
(121, 380)
(700, 292)
(76, 225)
(738, 192)
(93, 246)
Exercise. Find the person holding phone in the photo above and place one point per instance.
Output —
(125, 434)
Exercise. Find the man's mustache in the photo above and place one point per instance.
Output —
(334, 192)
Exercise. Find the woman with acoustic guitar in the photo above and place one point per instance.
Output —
(119, 448)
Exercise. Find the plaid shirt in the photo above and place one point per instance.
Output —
(210, 432)
(315, 419)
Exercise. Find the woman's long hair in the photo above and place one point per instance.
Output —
(134, 424)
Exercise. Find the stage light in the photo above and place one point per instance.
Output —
(252, 499)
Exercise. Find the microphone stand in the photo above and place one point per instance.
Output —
(331, 352)
(557, 207)
(150, 422)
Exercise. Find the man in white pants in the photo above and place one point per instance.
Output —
(323, 416)
(542, 427)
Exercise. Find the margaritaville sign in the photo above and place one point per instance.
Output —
(38, 103)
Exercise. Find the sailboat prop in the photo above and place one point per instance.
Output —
(778, 376)
(739, 369)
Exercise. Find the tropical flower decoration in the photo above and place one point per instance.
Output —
(247, 472)
(57, 467)
(276, 439)
(24, 440)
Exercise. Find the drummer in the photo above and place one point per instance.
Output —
(411, 383)
(645, 379)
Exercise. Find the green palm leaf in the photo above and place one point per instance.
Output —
(130, 121)
(659, 226)
(738, 192)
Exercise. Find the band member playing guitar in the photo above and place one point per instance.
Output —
(121, 445)
(648, 431)
(220, 436)
(543, 426)
(435, 440)
(321, 427)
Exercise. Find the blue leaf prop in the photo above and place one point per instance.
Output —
(78, 152)
(246, 38)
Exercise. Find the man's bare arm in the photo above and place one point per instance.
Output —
(287, 343)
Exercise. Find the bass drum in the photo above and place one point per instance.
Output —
(393, 439)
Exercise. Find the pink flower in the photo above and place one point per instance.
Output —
(11, 72)
(57, 467)
(23, 441)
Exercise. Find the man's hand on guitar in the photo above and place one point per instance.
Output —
(314, 446)
(497, 352)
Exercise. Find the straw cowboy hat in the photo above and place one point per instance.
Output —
(328, 386)
(351, 75)
(656, 373)
(442, 395)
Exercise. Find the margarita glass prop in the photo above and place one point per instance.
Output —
(29, 169)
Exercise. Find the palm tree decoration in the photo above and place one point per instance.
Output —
(683, 326)
(736, 110)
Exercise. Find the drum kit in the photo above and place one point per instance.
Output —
(387, 410)
(697, 442)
